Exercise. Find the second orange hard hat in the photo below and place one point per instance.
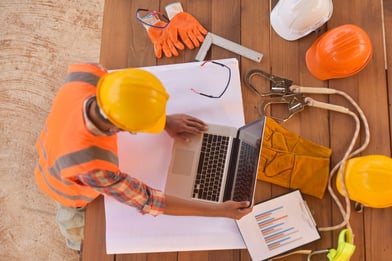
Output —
(340, 52)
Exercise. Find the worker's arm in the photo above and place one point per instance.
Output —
(184, 126)
(126, 189)
(184, 207)
(135, 193)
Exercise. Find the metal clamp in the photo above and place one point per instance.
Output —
(279, 86)
(295, 103)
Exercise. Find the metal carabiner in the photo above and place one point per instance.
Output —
(295, 103)
(279, 86)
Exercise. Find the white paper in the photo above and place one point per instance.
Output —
(147, 157)
(277, 226)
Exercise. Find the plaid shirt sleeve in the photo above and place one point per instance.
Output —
(126, 189)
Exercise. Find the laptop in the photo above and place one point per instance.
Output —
(218, 165)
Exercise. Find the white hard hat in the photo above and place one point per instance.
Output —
(293, 19)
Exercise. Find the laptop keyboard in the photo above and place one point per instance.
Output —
(246, 167)
(211, 165)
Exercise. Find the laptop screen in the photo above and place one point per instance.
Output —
(243, 181)
(252, 133)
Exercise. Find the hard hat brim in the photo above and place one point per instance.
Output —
(158, 127)
(134, 100)
(283, 30)
(278, 26)
(312, 62)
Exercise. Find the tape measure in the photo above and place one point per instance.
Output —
(211, 38)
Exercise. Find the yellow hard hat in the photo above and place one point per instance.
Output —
(368, 180)
(133, 100)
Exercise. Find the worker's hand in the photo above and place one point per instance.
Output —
(236, 210)
(162, 41)
(188, 28)
(182, 126)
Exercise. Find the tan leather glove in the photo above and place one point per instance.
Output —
(293, 162)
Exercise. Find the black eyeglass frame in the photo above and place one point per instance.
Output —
(227, 84)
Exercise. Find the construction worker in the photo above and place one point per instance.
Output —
(77, 147)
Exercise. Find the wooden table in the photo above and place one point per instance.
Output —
(125, 44)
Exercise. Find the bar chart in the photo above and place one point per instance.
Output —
(275, 229)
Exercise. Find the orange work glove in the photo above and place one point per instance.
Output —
(184, 25)
(162, 41)
(188, 28)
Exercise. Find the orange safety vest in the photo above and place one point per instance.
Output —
(66, 148)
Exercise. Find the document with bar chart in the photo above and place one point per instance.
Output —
(277, 226)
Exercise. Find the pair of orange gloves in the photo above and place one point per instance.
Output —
(166, 36)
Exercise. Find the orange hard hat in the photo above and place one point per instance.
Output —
(339, 53)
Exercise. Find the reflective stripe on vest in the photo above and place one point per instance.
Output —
(60, 193)
(77, 158)
(82, 77)
(68, 161)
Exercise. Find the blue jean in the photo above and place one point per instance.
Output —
(71, 224)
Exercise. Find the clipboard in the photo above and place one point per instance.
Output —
(277, 226)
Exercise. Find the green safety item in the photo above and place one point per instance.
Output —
(345, 248)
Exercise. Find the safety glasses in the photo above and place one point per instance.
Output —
(227, 68)
(150, 17)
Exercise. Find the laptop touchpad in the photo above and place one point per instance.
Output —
(183, 161)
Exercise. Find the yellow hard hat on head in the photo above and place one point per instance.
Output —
(368, 180)
(133, 100)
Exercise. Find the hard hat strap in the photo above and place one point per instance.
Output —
(101, 114)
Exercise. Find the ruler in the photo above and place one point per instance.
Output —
(211, 38)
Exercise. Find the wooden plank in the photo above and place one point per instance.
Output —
(140, 50)
(227, 255)
(388, 55)
(201, 10)
(115, 26)
(147, 58)
(368, 87)
(168, 256)
(376, 247)
(173, 59)
(193, 255)
(212, 255)
(255, 23)
(94, 249)
(131, 257)
(225, 22)
(288, 61)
